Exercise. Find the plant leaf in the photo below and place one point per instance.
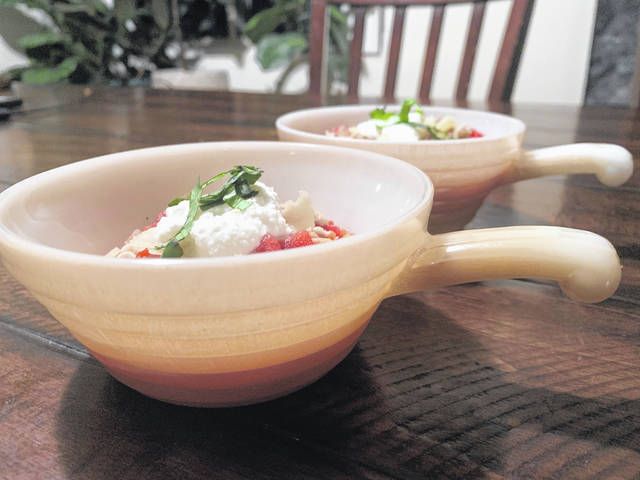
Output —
(35, 40)
(46, 75)
(277, 50)
(160, 13)
(124, 9)
(264, 22)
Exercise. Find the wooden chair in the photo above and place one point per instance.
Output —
(506, 66)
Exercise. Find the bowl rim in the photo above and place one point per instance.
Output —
(282, 125)
(32, 248)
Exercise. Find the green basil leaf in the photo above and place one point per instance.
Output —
(238, 202)
(235, 192)
(405, 109)
(381, 114)
(175, 250)
(172, 250)
(244, 189)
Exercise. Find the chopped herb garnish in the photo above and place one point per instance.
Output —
(235, 192)
(402, 117)
(405, 109)
(391, 118)
(172, 250)
(381, 114)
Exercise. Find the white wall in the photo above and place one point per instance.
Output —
(9, 58)
(554, 63)
(553, 68)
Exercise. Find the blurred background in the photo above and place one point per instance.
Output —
(576, 51)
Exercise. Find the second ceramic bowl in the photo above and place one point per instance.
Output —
(464, 171)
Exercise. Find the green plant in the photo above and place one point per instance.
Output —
(281, 34)
(86, 40)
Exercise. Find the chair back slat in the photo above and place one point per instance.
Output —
(432, 53)
(355, 61)
(511, 50)
(317, 35)
(394, 52)
(473, 35)
(507, 63)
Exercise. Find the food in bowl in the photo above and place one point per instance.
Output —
(243, 216)
(409, 124)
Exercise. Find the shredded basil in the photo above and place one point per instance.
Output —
(235, 192)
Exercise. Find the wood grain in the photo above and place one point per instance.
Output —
(394, 53)
(471, 45)
(503, 379)
(431, 54)
(355, 58)
(508, 62)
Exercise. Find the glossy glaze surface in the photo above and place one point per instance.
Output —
(490, 380)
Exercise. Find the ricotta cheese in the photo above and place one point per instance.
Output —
(222, 230)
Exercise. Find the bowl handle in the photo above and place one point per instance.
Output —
(612, 164)
(585, 265)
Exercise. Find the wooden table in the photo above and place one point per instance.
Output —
(493, 380)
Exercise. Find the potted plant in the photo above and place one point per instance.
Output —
(281, 34)
(85, 42)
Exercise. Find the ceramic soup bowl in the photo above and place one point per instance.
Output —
(464, 171)
(244, 329)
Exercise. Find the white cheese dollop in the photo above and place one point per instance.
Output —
(399, 133)
(381, 130)
(222, 230)
(368, 129)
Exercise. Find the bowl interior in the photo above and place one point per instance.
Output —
(91, 206)
(317, 121)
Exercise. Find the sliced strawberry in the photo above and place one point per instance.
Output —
(476, 134)
(332, 227)
(268, 243)
(297, 239)
(146, 254)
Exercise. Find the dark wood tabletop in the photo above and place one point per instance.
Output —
(502, 379)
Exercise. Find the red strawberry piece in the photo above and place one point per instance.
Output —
(332, 227)
(268, 243)
(156, 221)
(297, 239)
(476, 134)
(146, 254)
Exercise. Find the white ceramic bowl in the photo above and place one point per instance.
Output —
(238, 330)
(464, 171)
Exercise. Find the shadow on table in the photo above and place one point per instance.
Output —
(419, 397)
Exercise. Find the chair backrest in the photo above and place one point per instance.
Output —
(506, 66)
